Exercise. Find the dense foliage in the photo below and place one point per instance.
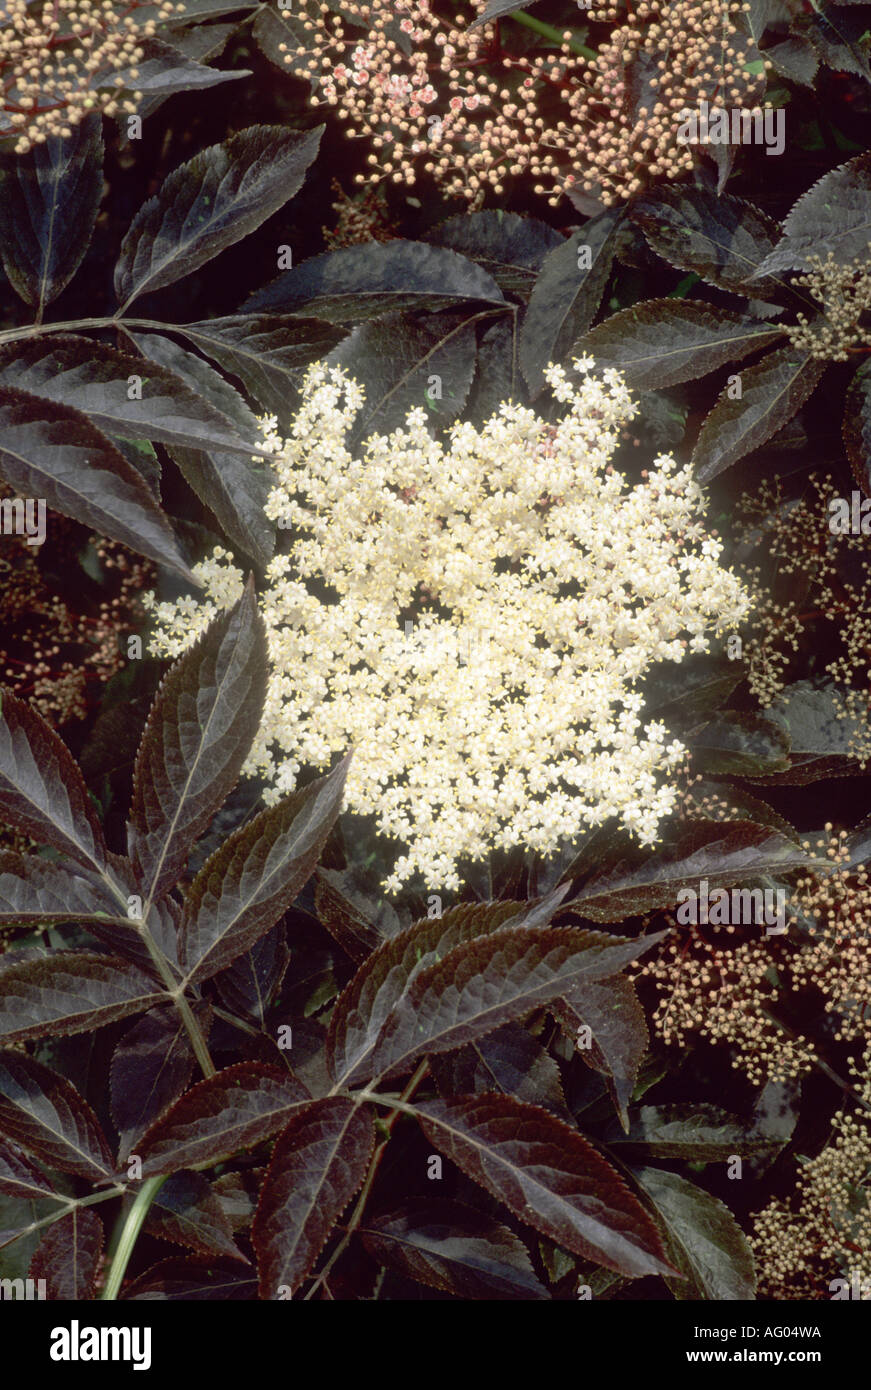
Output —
(434, 724)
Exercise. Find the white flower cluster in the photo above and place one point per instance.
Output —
(520, 531)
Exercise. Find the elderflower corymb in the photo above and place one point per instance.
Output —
(471, 615)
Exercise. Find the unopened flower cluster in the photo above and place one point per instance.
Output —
(820, 585)
(440, 93)
(60, 59)
(686, 52)
(822, 1233)
(52, 653)
(843, 292)
(471, 616)
(744, 994)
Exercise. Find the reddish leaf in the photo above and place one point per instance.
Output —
(151, 1066)
(772, 391)
(71, 992)
(68, 1257)
(269, 353)
(318, 1165)
(239, 1107)
(612, 1012)
(54, 452)
(237, 1194)
(357, 936)
(549, 1177)
(194, 1279)
(363, 1006)
(188, 1212)
(42, 791)
(44, 1113)
(566, 295)
(723, 854)
(94, 378)
(723, 239)
(33, 890)
(509, 1060)
(20, 1177)
(662, 342)
(211, 202)
(240, 892)
(833, 215)
(252, 981)
(453, 1248)
(48, 206)
(485, 983)
(707, 1244)
(197, 737)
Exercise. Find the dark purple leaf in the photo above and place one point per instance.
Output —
(20, 1177)
(44, 1114)
(195, 1280)
(723, 854)
(509, 1061)
(823, 734)
(375, 278)
(706, 1243)
(48, 207)
(209, 203)
(234, 485)
(53, 452)
(151, 1066)
(68, 1257)
(697, 1132)
(197, 737)
(450, 1247)
(34, 890)
(240, 892)
(723, 239)
(612, 1012)
(234, 1110)
(71, 992)
(393, 359)
(93, 378)
(366, 1002)
(248, 986)
(318, 1165)
(566, 295)
(187, 1212)
(269, 353)
(509, 247)
(42, 791)
(772, 391)
(737, 744)
(662, 342)
(357, 936)
(549, 1177)
(485, 983)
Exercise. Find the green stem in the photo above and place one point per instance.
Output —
(396, 1106)
(167, 975)
(35, 330)
(65, 1206)
(547, 31)
(129, 1235)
